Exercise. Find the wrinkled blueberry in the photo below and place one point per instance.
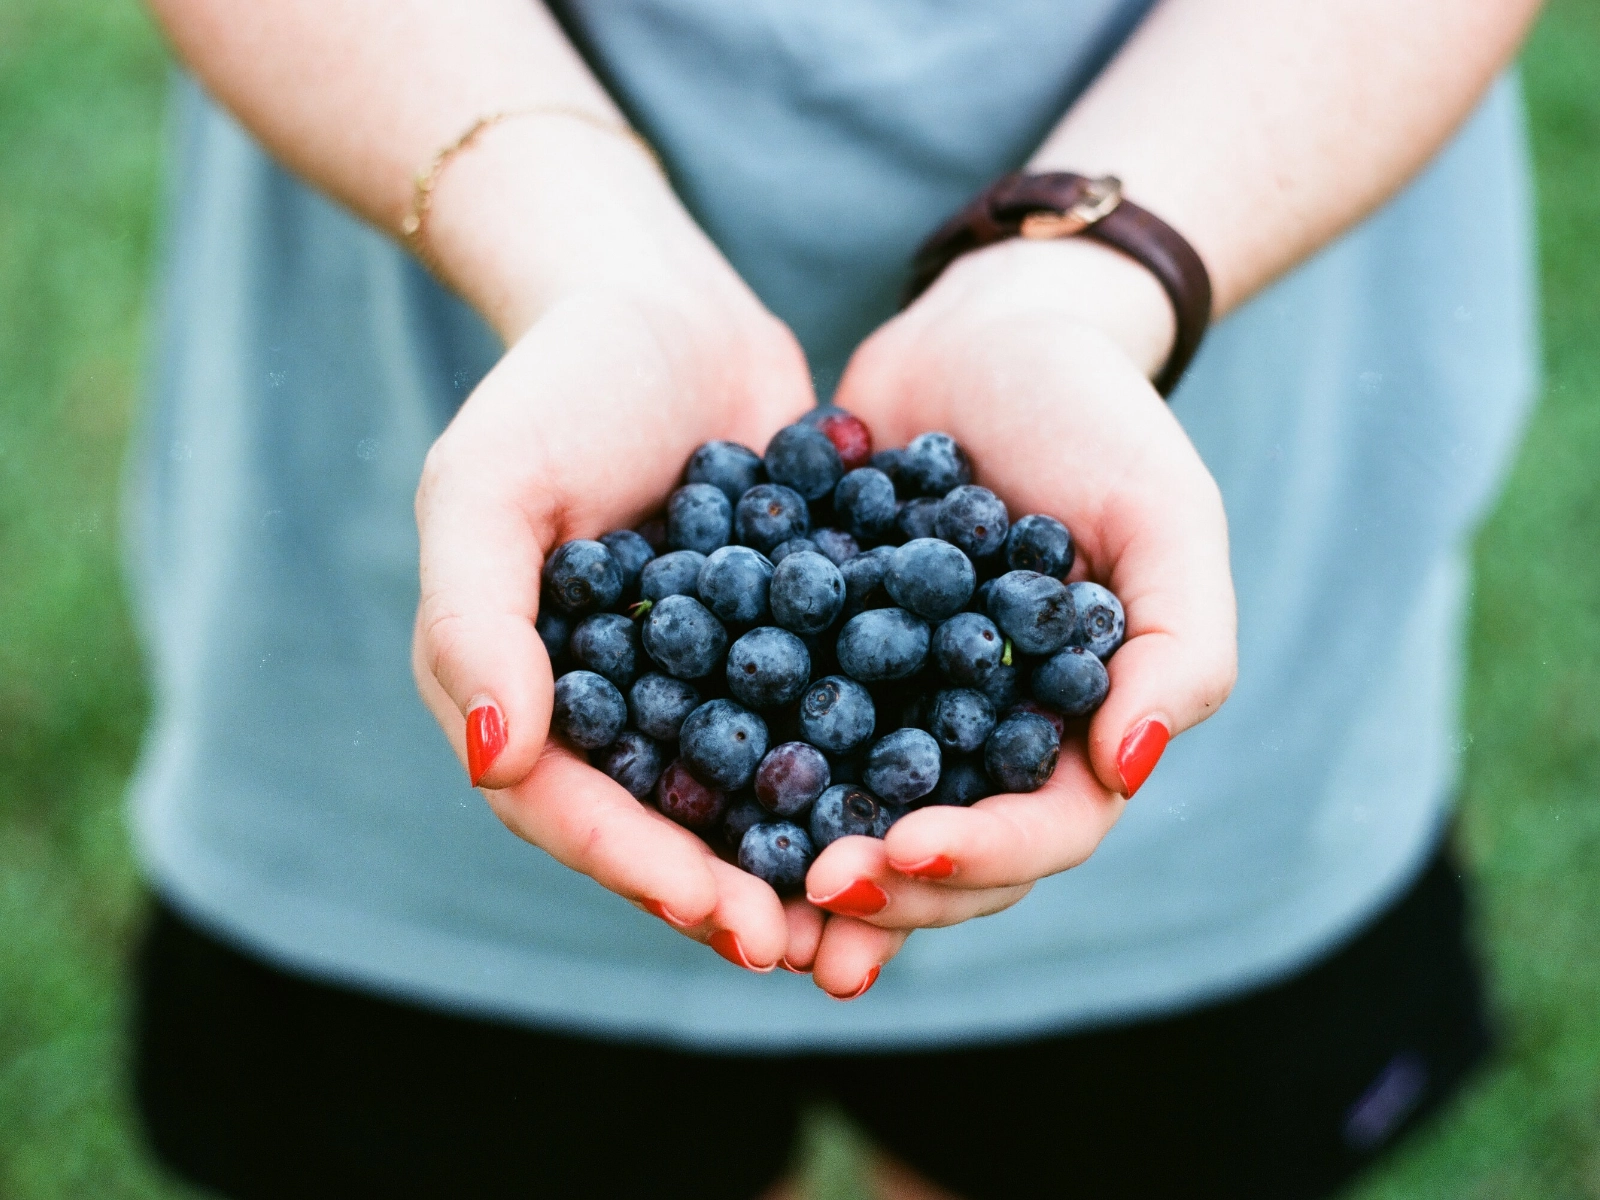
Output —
(733, 584)
(634, 761)
(1021, 753)
(768, 667)
(699, 517)
(1033, 610)
(903, 766)
(687, 800)
(659, 703)
(848, 433)
(727, 466)
(931, 578)
(791, 777)
(608, 644)
(769, 515)
(581, 577)
(865, 503)
(962, 781)
(682, 636)
(676, 573)
(778, 853)
(589, 711)
(1072, 681)
(724, 743)
(974, 520)
(882, 644)
(835, 545)
(934, 464)
(836, 714)
(803, 458)
(962, 720)
(792, 546)
(967, 648)
(807, 593)
(1100, 624)
(1040, 543)
(631, 552)
(846, 810)
(863, 580)
(917, 518)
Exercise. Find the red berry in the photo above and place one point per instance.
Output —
(1049, 714)
(850, 437)
(686, 800)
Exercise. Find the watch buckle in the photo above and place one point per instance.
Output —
(1100, 197)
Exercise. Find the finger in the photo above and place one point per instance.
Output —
(1009, 840)
(805, 934)
(853, 878)
(851, 955)
(749, 926)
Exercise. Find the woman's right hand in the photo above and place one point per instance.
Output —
(581, 428)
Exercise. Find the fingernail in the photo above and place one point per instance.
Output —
(486, 737)
(862, 898)
(872, 978)
(1141, 750)
(658, 909)
(726, 943)
(784, 963)
(937, 867)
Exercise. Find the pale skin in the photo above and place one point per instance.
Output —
(1260, 130)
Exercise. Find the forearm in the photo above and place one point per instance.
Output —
(1262, 129)
(356, 96)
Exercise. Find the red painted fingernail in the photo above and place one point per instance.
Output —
(726, 943)
(486, 737)
(784, 963)
(862, 898)
(1141, 750)
(658, 909)
(872, 978)
(937, 867)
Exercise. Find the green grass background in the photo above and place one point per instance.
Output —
(81, 87)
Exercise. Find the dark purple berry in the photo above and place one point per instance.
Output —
(687, 800)
(791, 777)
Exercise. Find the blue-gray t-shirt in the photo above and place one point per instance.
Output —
(295, 796)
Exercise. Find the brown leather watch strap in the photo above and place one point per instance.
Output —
(1061, 204)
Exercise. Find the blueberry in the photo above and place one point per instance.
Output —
(741, 817)
(1100, 624)
(973, 519)
(807, 593)
(1049, 714)
(581, 577)
(1040, 543)
(1073, 681)
(917, 519)
(1002, 688)
(779, 854)
(768, 667)
(608, 644)
(687, 800)
(791, 777)
(632, 552)
(1033, 610)
(891, 463)
(967, 648)
(733, 584)
(769, 515)
(676, 573)
(804, 459)
(882, 644)
(1021, 753)
(846, 810)
(930, 578)
(863, 580)
(865, 503)
(731, 468)
(634, 761)
(589, 711)
(555, 631)
(792, 546)
(657, 705)
(903, 766)
(848, 433)
(683, 637)
(699, 517)
(835, 545)
(836, 714)
(962, 720)
(962, 782)
(723, 742)
(654, 531)
(980, 597)
(934, 464)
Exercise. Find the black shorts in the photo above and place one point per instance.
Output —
(259, 1083)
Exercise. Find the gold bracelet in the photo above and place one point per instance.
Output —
(414, 225)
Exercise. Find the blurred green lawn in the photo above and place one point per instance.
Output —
(81, 85)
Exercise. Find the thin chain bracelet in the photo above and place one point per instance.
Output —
(414, 226)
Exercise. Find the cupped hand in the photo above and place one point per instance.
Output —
(1036, 359)
(581, 428)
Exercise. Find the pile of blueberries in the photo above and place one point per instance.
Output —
(814, 641)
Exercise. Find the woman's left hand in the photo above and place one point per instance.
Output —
(1037, 358)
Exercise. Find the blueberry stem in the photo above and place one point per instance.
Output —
(639, 607)
(1005, 655)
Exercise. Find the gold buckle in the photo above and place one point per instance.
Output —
(1099, 199)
